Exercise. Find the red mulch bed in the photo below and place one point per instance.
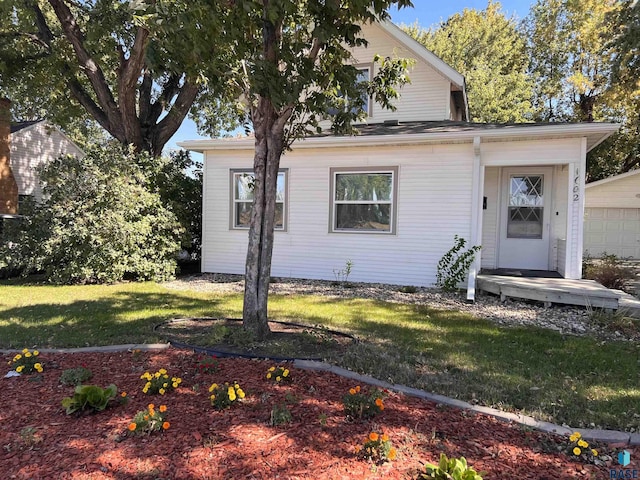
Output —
(239, 443)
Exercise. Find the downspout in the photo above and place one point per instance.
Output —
(477, 192)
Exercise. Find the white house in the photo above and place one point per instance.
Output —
(392, 198)
(612, 216)
(32, 144)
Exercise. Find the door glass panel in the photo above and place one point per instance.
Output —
(526, 206)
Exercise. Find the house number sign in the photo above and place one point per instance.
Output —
(576, 185)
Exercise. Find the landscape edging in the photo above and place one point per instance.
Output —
(604, 436)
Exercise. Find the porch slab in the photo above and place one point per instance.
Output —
(585, 293)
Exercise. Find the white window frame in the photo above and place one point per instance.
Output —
(369, 69)
(334, 172)
(233, 173)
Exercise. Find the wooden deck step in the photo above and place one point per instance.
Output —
(585, 293)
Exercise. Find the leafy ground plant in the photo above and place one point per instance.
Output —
(75, 376)
(223, 396)
(207, 364)
(377, 448)
(89, 397)
(159, 382)
(362, 403)
(27, 362)
(454, 265)
(280, 414)
(149, 420)
(449, 469)
(278, 374)
(579, 448)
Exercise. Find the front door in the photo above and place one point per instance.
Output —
(524, 218)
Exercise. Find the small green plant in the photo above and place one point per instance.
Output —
(408, 289)
(608, 271)
(280, 414)
(360, 404)
(449, 469)
(207, 364)
(278, 374)
(89, 397)
(27, 362)
(159, 382)
(29, 436)
(377, 448)
(75, 376)
(342, 275)
(239, 337)
(579, 449)
(454, 265)
(223, 396)
(149, 420)
(322, 418)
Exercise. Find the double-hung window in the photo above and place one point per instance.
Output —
(363, 200)
(242, 183)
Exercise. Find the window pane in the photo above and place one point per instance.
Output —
(279, 222)
(524, 222)
(526, 191)
(363, 217)
(368, 186)
(243, 214)
(243, 186)
(280, 188)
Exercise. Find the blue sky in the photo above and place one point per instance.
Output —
(426, 12)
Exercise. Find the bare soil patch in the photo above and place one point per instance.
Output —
(39, 441)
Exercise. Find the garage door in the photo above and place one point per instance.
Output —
(612, 230)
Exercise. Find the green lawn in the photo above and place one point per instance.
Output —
(570, 380)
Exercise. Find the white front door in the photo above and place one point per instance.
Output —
(524, 218)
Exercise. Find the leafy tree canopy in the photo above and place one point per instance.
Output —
(488, 49)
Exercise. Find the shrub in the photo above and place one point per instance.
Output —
(454, 265)
(360, 404)
(608, 271)
(89, 397)
(449, 469)
(27, 362)
(75, 376)
(149, 420)
(102, 220)
(159, 382)
(207, 364)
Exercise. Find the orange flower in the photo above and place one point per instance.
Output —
(132, 426)
(146, 417)
(373, 436)
(123, 394)
(151, 406)
(384, 437)
(358, 389)
(163, 408)
(392, 454)
(166, 425)
(379, 403)
(352, 391)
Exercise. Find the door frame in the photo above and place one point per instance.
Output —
(549, 186)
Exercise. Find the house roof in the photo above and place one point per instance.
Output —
(613, 178)
(16, 127)
(447, 131)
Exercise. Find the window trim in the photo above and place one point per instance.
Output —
(369, 68)
(334, 171)
(232, 200)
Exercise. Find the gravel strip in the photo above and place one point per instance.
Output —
(564, 319)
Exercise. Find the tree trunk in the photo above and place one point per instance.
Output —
(269, 146)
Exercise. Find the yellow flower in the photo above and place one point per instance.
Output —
(36, 353)
(272, 369)
(240, 393)
(178, 380)
(17, 357)
(583, 444)
(213, 387)
(384, 437)
(165, 384)
(594, 452)
(174, 384)
(392, 454)
(145, 390)
(575, 437)
(163, 408)
(212, 397)
(161, 391)
(174, 379)
(577, 451)
(37, 366)
(162, 371)
(157, 374)
(232, 394)
(147, 385)
(132, 426)
(278, 379)
(25, 350)
(20, 368)
(285, 373)
(268, 375)
(27, 355)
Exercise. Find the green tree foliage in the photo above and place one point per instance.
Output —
(101, 221)
(488, 49)
(121, 63)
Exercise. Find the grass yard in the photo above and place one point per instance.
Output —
(578, 381)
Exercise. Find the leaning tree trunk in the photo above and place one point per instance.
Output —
(269, 146)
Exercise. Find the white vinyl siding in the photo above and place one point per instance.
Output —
(622, 192)
(433, 205)
(33, 146)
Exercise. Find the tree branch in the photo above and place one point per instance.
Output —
(165, 129)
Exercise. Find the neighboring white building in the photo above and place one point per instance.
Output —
(392, 198)
(612, 216)
(32, 144)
